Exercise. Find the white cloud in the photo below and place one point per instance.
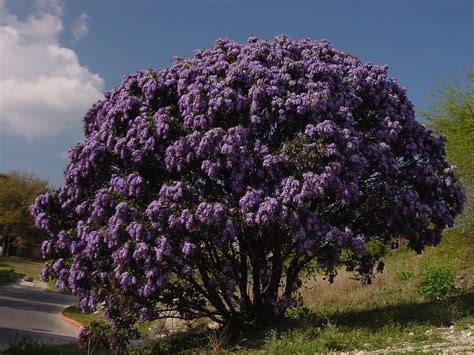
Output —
(43, 87)
(79, 28)
(49, 6)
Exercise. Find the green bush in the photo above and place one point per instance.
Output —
(298, 313)
(437, 281)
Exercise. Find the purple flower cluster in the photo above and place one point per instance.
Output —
(210, 213)
(241, 164)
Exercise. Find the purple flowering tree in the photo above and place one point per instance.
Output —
(206, 189)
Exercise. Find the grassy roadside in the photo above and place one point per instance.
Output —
(13, 268)
(75, 313)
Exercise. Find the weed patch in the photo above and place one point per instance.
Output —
(437, 282)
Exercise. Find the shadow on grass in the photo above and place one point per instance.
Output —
(435, 313)
(9, 276)
(35, 342)
(442, 312)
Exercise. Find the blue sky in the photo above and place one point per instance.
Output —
(57, 57)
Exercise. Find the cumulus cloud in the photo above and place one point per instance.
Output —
(43, 87)
(79, 28)
(48, 6)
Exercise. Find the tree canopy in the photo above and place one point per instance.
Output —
(452, 115)
(18, 233)
(207, 188)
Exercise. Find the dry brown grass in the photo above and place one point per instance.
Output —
(387, 288)
(347, 293)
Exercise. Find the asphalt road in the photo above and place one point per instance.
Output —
(29, 309)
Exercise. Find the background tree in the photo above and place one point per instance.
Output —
(208, 188)
(452, 115)
(19, 235)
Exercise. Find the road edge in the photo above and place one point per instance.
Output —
(69, 320)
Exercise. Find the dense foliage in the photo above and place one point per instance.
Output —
(18, 233)
(207, 188)
(452, 115)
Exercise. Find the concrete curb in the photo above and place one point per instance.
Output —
(69, 320)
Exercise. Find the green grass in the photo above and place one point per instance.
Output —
(75, 313)
(85, 319)
(416, 324)
(21, 267)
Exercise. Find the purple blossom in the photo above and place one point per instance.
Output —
(210, 213)
(250, 200)
(229, 232)
(267, 211)
(189, 173)
(188, 248)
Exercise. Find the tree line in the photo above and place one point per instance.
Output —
(18, 234)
